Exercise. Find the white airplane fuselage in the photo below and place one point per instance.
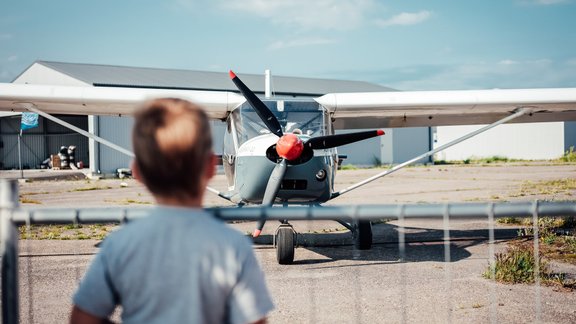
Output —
(248, 163)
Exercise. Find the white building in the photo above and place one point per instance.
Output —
(534, 141)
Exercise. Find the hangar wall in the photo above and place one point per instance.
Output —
(395, 146)
(119, 131)
(534, 141)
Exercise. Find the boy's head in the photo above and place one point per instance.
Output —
(173, 147)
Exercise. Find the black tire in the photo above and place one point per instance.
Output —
(363, 235)
(285, 245)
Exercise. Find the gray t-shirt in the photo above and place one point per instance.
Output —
(178, 265)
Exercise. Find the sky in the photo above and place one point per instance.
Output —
(407, 45)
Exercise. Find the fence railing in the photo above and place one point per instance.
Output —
(11, 215)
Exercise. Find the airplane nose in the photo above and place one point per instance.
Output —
(289, 146)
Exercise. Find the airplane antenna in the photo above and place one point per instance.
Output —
(267, 84)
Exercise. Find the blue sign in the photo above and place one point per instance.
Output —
(29, 120)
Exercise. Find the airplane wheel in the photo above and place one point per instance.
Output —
(363, 235)
(285, 245)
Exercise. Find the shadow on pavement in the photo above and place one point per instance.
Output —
(422, 244)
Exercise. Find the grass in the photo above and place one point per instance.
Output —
(26, 200)
(128, 201)
(65, 232)
(90, 188)
(569, 156)
(517, 264)
(348, 167)
(478, 160)
(547, 187)
(509, 220)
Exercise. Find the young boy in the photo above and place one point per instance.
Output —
(179, 264)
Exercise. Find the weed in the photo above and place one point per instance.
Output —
(34, 193)
(480, 160)
(132, 201)
(494, 159)
(26, 200)
(570, 242)
(508, 220)
(442, 162)
(547, 187)
(516, 265)
(65, 232)
(128, 201)
(90, 188)
(569, 156)
(348, 167)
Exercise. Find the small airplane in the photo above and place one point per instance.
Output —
(284, 151)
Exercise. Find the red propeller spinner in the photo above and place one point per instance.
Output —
(289, 146)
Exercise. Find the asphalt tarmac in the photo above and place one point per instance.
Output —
(330, 281)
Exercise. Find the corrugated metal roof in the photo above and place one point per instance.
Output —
(124, 76)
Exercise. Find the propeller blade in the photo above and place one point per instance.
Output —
(271, 191)
(265, 114)
(330, 141)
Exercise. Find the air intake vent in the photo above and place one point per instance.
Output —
(294, 184)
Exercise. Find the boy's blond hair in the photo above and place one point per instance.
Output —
(173, 147)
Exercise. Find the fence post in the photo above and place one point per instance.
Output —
(9, 251)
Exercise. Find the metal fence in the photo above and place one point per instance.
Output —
(11, 215)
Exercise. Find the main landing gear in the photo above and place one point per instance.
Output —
(285, 239)
(362, 235)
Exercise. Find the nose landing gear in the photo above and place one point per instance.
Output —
(285, 242)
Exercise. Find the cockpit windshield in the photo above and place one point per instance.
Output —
(303, 117)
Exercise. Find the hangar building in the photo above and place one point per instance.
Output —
(39, 143)
(520, 141)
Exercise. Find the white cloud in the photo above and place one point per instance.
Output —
(5, 36)
(303, 42)
(506, 74)
(405, 19)
(550, 2)
(12, 58)
(543, 2)
(507, 62)
(322, 14)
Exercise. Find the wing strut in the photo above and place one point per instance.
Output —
(520, 112)
(59, 121)
(98, 139)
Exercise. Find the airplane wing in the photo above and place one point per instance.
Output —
(77, 100)
(438, 108)
(350, 110)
